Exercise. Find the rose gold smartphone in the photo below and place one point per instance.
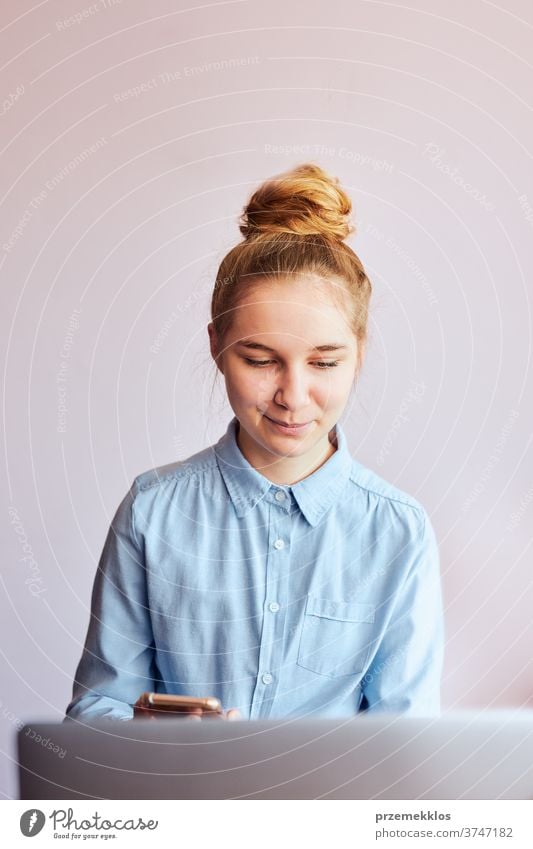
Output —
(168, 705)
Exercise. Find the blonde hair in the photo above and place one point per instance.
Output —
(293, 224)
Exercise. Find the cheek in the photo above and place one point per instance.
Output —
(248, 386)
(333, 392)
(254, 382)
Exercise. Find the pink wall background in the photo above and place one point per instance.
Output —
(131, 136)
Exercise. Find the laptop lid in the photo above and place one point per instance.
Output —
(462, 756)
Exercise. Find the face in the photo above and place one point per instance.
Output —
(286, 393)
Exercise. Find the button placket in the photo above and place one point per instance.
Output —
(274, 609)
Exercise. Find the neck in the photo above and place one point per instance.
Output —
(285, 471)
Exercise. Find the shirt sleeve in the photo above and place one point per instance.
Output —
(118, 659)
(405, 674)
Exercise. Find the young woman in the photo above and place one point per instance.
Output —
(271, 569)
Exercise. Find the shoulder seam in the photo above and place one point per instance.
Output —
(180, 472)
(418, 507)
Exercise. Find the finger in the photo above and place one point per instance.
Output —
(233, 713)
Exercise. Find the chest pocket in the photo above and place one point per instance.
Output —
(336, 636)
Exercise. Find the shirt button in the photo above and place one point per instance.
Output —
(267, 678)
(273, 606)
(279, 544)
(280, 495)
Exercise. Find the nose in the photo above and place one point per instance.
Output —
(292, 390)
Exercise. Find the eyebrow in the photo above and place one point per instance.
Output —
(257, 346)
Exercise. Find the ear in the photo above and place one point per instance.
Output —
(213, 345)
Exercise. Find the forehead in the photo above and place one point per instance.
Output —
(309, 311)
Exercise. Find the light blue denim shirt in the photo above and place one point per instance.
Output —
(318, 599)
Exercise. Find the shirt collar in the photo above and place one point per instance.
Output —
(314, 495)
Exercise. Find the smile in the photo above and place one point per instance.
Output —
(296, 429)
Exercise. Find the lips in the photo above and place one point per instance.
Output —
(289, 430)
(288, 425)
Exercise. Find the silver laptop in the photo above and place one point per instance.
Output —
(459, 756)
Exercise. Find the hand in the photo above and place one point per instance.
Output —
(195, 713)
(232, 713)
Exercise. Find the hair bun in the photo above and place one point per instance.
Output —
(305, 200)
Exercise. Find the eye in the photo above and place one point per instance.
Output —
(319, 365)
